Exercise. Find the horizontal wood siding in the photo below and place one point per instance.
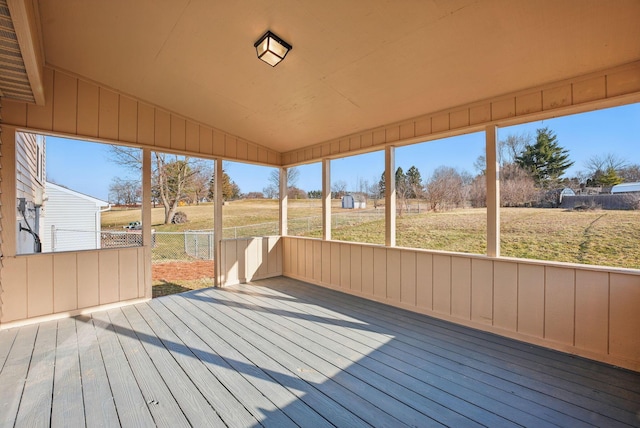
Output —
(249, 259)
(586, 311)
(570, 96)
(46, 284)
(83, 109)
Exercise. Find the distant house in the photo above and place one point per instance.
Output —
(626, 188)
(71, 220)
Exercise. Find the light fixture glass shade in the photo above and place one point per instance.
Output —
(271, 48)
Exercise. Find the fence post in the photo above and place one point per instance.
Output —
(184, 241)
(211, 241)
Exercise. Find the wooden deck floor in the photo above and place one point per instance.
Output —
(284, 353)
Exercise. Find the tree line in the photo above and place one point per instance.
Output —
(529, 170)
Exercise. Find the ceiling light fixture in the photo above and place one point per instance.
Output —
(271, 48)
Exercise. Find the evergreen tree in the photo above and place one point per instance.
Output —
(545, 160)
(382, 185)
(314, 194)
(414, 182)
(230, 190)
(401, 178)
(609, 178)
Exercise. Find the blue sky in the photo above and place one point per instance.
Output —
(87, 167)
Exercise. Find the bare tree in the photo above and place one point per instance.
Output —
(199, 186)
(339, 188)
(124, 191)
(445, 188)
(271, 192)
(600, 166)
(512, 147)
(296, 193)
(171, 174)
(273, 189)
(478, 191)
(517, 187)
(630, 173)
(508, 150)
(603, 162)
(480, 164)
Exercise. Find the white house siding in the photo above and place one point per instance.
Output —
(76, 218)
(30, 168)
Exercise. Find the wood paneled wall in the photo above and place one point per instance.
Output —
(249, 259)
(586, 311)
(596, 90)
(54, 283)
(79, 108)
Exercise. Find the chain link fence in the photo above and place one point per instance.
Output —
(197, 244)
(62, 239)
(182, 246)
(306, 225)
(130, 238)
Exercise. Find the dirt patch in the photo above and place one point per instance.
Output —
(173, 271)
(177, 277)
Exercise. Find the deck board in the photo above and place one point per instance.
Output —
(100, 409)
(6, 342)
(131, 406)
(281, 353)
(67, 408)
(161, 403)
(14, 373)
(38, 389)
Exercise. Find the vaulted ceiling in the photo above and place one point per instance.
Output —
(355, 64)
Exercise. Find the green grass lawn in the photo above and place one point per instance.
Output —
(598, 237)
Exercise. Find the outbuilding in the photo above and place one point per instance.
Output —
(71, 220)
(626, 188)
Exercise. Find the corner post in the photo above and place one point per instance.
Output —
(147, 239)
(390, 196)
(217, 223)
(326, 199)
(493, 192)
(284, 200)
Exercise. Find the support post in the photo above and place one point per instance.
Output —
(390, 196)
(147, 240)
(493, 192)
(284, 200)
(326, 199)
(217, 224)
